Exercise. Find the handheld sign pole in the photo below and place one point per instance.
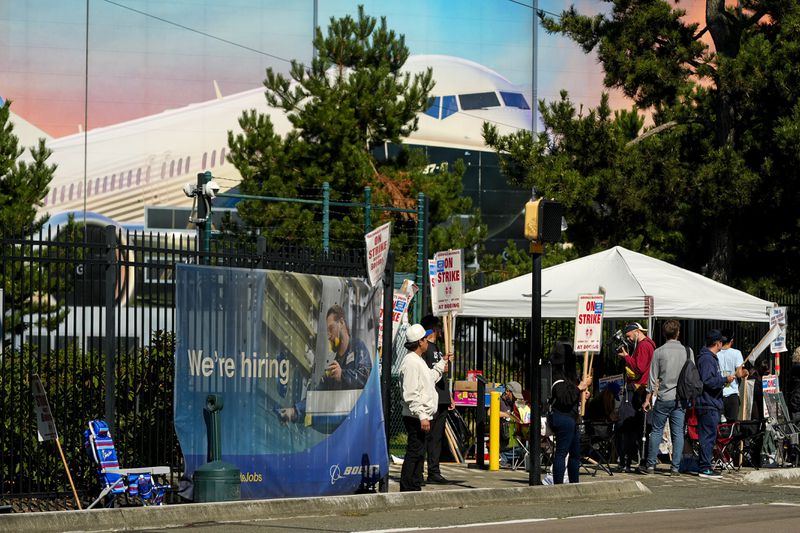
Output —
(46, 426)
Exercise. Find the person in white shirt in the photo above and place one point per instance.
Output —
(730, 362)
(420, 399)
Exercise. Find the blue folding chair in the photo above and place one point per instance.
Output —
(138, 484)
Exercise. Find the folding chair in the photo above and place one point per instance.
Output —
(785, 431)
(135, 483)
(726, 446)
(597, 440)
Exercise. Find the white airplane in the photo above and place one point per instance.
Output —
(146, 161)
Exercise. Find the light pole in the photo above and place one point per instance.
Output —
(542, 224)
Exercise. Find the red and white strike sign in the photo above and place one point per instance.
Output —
(446, 276)
(377, 251)
(589, 323)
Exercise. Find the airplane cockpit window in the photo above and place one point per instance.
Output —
(449, 106)
(478, 101)
(514, 100)
(433, 110)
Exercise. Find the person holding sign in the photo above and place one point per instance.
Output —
(709, 404)
(445, 403)
(417, 382)
(730, 363)
(565, 399)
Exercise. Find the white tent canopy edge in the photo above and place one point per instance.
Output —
(636, 285)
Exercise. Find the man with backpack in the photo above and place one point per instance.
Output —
(668, 361)
(709, 404)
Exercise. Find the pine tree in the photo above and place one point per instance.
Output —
(350, 100)
(26, 283)
(714, 183)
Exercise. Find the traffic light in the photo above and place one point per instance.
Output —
(543, 220)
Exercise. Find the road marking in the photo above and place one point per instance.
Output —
(787, 486)
(534, 520)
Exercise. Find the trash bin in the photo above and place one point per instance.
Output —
(216, 481)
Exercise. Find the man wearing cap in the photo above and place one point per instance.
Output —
(730, 362)
(434, 438)
(417, 382)
(709, 404)
(637, 371)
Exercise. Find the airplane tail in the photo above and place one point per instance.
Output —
(27, 133)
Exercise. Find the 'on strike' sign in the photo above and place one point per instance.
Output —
(446, 276)
(589, 323)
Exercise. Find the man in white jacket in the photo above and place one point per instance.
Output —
(420, 401)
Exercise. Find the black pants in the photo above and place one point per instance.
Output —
(433, 441)
(413, 462)
(730, 407)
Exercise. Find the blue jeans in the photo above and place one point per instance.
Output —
(707, 422)
(663, 410)
(568, 441)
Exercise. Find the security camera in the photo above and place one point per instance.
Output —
(189, 189)
(211, 189)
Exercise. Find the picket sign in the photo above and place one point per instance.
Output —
(46, 426)
(377, 252)
(588, 332)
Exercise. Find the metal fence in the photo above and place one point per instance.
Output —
(92, 314)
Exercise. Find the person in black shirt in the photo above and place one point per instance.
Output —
(434, 438)
(565, 395)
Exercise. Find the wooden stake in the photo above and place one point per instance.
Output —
(69, 476)
(585, 373)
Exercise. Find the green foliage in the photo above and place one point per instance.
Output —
(713, 184)
(350, 100)
(75, 382)
(23, 186)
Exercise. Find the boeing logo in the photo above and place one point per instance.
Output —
(371, 471)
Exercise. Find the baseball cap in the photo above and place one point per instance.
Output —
(634, 326)
(713, 336)
(515, 388)
(415, 333)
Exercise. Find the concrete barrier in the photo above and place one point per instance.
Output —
(198, 513)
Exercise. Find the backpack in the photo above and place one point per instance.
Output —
(690, 386)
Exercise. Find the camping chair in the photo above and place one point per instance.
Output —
(785, 431)
(726, 446)
(135, 483)
(597, 443)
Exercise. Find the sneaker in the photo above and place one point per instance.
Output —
(646, 471)
(674, 473)
(438, 478)
(710, 474)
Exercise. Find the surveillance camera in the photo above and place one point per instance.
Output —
(211, 189)
(189, 190)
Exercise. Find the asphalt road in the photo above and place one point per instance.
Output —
(675, 504)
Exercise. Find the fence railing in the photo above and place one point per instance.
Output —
(92, 313)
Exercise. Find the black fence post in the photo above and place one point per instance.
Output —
(110, 335)
(386, 356)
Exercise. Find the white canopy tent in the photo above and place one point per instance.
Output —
(636, 286)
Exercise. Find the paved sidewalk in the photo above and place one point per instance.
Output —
(470, 487)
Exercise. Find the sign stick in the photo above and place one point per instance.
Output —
(585, 373)
(69, 476)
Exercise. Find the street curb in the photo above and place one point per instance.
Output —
(199, 513)
(771, 474)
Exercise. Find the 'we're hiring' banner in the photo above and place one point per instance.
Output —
(293, 356)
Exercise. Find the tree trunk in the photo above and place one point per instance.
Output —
(720, 264)
(726, 34)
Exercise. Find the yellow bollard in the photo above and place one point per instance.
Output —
(494, 431)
